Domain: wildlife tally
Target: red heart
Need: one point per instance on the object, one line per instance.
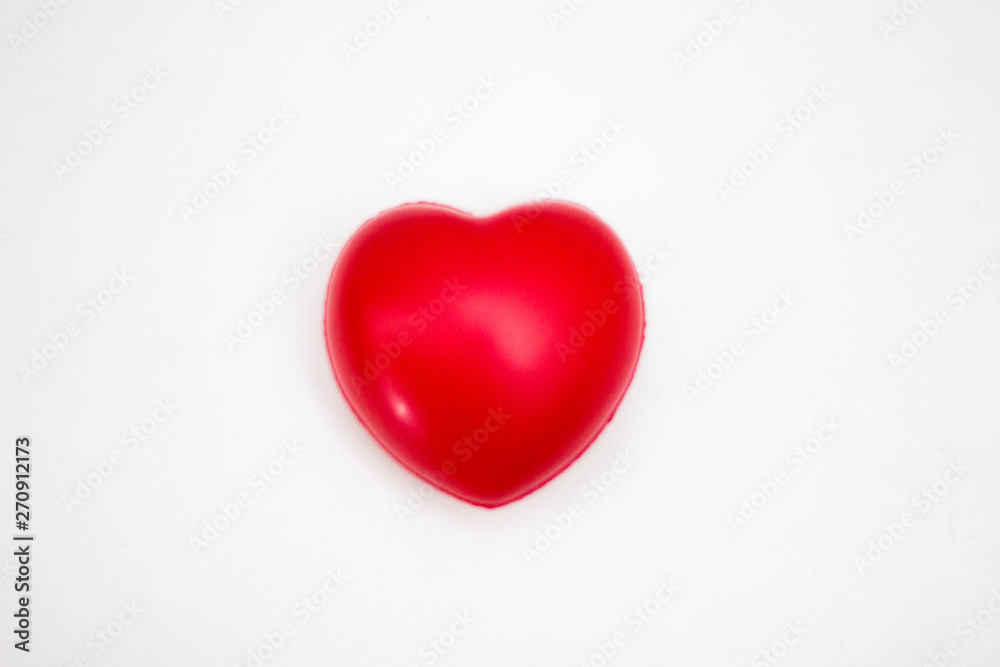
(484, 354)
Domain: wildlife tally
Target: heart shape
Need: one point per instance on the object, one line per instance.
(484, 354)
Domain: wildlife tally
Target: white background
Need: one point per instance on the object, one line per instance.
(337, 504)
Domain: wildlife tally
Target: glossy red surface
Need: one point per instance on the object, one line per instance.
(484, 354)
